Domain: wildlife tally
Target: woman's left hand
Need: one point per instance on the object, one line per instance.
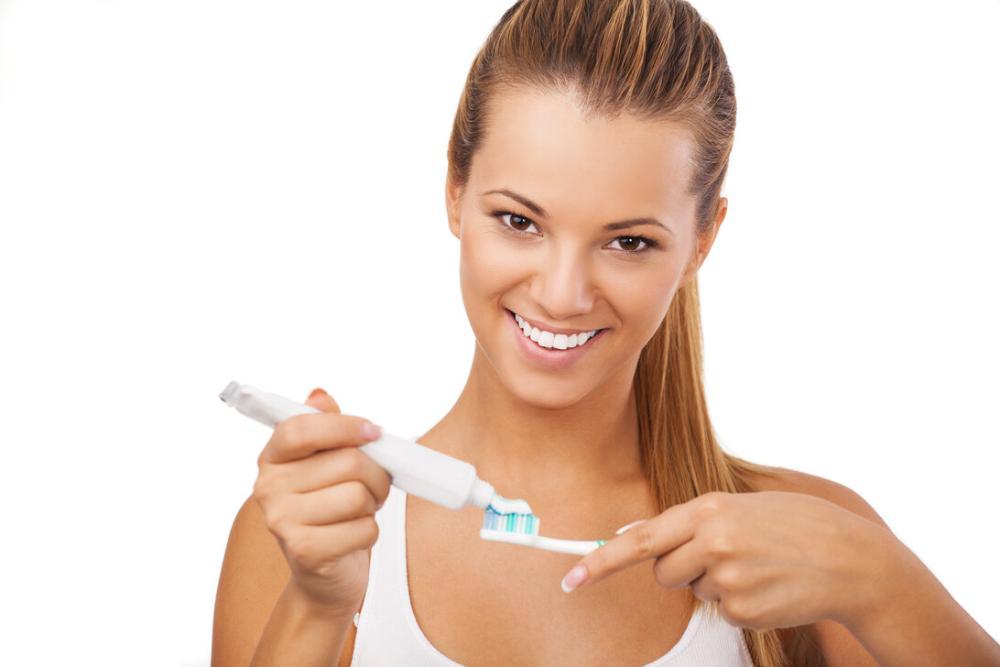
(772, 559)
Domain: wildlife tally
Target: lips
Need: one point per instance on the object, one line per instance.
(551, 358)
(550, 329)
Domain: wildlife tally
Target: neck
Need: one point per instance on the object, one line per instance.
(523, 449)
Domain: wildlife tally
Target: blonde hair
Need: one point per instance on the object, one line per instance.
(657, 60)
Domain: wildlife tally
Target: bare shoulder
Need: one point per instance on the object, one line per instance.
(824, 642)
(796, 481)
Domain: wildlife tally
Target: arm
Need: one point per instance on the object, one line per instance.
(298, 634)
(914, 622)
(920, 623)
(259, 617)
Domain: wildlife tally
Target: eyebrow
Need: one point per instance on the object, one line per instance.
(611, 226)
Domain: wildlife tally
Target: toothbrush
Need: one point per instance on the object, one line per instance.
(426, 473)
(523, 529)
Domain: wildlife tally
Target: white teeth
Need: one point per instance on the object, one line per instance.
(553, 340)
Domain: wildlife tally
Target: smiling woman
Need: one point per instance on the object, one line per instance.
(585, 170)
(542, 245)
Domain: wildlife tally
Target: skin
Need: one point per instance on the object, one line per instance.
(803, 553)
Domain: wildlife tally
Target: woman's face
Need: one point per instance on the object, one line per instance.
(532, 224)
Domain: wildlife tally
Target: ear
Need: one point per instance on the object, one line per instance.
(706, 240)
(453, 206)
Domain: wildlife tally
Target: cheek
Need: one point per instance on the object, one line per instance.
(642, 308)
(488, 265)
(642, 298)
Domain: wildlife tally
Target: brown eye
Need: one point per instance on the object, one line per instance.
(629, 244)
(516, 221)
(633, 245)
(626, 243)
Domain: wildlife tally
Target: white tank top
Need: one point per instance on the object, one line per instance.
(388, 633)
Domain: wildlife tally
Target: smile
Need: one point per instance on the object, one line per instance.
(550, 340)
(553, 350)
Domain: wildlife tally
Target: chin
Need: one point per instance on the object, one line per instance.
(548, 400)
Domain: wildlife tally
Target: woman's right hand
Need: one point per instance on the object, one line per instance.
(319, 493)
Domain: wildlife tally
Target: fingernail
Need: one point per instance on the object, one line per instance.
(371, 431)
(628, 526)
(574, 578)
(316, 392)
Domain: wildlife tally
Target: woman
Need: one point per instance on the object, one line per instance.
(585, 169)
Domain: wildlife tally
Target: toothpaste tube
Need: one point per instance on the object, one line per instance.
(416, 469)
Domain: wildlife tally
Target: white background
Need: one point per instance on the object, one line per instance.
(197, 191)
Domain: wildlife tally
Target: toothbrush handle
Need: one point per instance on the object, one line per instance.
(578, 547)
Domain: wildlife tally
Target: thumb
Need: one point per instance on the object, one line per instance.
(321, 400)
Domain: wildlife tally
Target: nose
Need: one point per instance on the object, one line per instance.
(563, 285)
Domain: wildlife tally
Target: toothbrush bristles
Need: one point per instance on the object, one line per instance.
(520, 524)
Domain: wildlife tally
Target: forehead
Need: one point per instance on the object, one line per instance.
(540, 143)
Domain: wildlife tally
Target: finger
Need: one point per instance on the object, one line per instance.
(704, 588)
(319, 399)
(648, 539)
(680, 567)
(324, 469)
(304, 434)
(334, 504)
(313, 544)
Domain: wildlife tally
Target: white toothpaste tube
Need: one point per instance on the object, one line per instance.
(416, 469)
